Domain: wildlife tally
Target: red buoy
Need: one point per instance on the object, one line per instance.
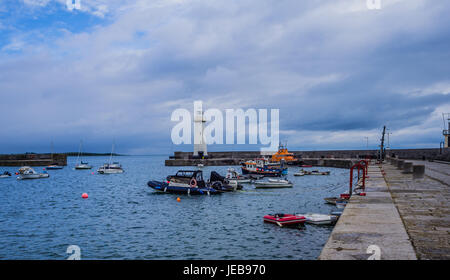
(84, 195)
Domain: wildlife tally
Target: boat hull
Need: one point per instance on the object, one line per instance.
(54, 167)
(32, 176)
(319, 219)
(284, 219)
(83, 167)
(110, 171)
(164, 187)
(265, 173)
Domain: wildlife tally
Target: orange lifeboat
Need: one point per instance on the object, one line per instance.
(283, 154)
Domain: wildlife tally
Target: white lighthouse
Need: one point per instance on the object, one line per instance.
(199, 137)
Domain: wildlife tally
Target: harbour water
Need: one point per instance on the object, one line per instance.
(125, 219)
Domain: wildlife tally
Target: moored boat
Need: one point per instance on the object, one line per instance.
(83, 165)
(5, 174)
(54, 166)
(27, 172)
(80, 164)
(319, 219)
(273, 183)
(261, 166)
(186, 182)
(334, 200)
(233, 175)
(283, 155)
(284, 219)
(111, 168)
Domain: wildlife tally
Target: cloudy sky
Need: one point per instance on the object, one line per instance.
(113, 69)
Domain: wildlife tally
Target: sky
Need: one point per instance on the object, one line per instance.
(116, 70)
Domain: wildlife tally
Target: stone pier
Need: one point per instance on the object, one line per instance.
(404, 214)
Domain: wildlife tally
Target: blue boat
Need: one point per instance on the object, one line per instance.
(164, 187)
(191, 182)
(261, 166)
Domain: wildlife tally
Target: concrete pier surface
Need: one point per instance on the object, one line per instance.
(371, 220)
(424, 206)
(406, 217)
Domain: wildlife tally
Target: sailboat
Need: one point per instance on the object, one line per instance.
(111, 167)
(54, 165)
(80, 164)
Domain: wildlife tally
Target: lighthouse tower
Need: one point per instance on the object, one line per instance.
(199, 138)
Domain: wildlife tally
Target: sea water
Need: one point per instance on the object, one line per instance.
(125, 219)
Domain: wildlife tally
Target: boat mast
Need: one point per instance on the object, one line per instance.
(79, 150)
(112, 151)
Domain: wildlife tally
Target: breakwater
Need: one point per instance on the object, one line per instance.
(319, 158)
(33, 159)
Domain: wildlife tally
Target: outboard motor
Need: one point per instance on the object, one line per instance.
(216, 177)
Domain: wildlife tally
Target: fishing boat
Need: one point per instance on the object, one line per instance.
(80, 164)
(185, 182)
(273, 183)
(27, 172)
(300, 173)
(284, 219)
(111, 167)
(283, 155)
(5, 174)
(319, 219)
(261, 166)
(234, 176)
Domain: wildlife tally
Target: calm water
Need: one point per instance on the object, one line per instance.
(125, 219)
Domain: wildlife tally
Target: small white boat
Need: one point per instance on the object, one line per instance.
(54, 167)
(300, 173)
(5, 174)
(81, 165)
(114, 168)
(200, 165)
(319, 219)
(273, 183)
(111, 167)
(341, 204)
(234, 176)
(27, 172)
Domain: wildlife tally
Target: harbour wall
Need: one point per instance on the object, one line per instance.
(33, 159)
(308, 157)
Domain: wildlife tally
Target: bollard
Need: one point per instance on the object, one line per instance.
(400, 164)
(407, 167)
(418, 171)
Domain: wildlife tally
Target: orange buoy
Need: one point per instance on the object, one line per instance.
(84, 195)
(178, 199)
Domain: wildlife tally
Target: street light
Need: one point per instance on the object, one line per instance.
(367, 145)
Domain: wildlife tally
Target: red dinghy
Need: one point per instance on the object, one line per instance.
(284, 219)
